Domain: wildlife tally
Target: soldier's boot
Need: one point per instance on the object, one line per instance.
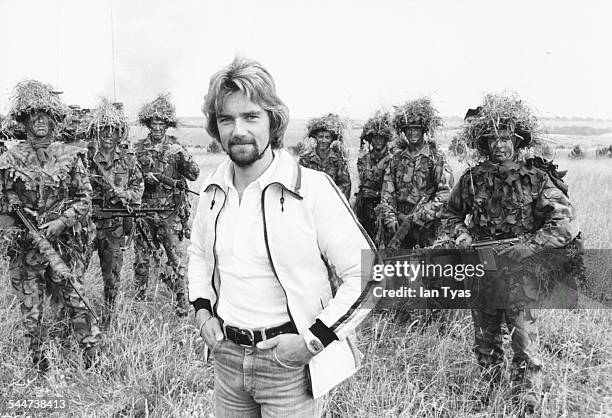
(526, 387)
(40, 362)
(91, 357)
(182, 307)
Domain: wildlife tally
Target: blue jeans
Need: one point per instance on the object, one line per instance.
(250, 382)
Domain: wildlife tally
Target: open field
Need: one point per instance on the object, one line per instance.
(153, 366)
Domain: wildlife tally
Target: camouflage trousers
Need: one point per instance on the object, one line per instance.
(168, 234)
(32, 279)
(364, 209)
(527, 361)
(109, 239)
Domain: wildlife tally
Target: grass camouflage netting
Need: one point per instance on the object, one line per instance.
(499, 111)
(380, 124)
(160, 108)
(31, 95)
(419, 112)
(105, 114)
(330, 122)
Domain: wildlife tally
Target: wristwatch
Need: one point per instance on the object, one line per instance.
(313, 344)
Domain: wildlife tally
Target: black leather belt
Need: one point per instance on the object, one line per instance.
(249, 338)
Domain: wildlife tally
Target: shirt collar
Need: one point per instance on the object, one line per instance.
(99, 157)
(424, 151)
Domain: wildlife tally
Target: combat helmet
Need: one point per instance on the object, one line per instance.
(417, 113)
(378, 125)
(160, 108)
(103, 115)
(31, 96)
(500, 112)
(330, 122)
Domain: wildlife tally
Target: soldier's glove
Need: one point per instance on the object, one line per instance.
(53, 229)
(392, 226)
(518, 252)
(15, 204)
(464, 240)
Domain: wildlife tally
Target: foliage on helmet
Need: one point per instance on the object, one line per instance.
(500, 112)
(331, 123)
(105, 114)
(160, 108)
(30, 96)
(419, 112)
(378, 125)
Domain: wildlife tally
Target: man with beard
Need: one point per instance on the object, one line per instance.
(328, 154)
(117, 183)
(166, 166)
(506, 196)
(417, 180)
(47, 181)
(371, 166)
(257, 276)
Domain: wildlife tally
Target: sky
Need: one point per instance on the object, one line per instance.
(344, 56)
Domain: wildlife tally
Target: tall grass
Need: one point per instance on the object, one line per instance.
(152, 363)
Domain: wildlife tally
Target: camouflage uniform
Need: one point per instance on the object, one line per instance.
(59, 189)
(170, 159)
(409, 178)
(371, 167)
(504, 197)
(123, 171)
(512, 199)
(335, 166)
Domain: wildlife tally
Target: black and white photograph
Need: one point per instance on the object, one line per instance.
(296, 208)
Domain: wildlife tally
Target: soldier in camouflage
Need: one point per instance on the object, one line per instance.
(49, 182)
(328, 153)
(417, 180)
(507, 196)
(162, 157)
(117, 183)
(371, 166)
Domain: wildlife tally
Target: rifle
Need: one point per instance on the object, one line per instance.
(138, 215)
(177, 184)
(105, 213)
(58, 266)
(487, 250)
(404, 228)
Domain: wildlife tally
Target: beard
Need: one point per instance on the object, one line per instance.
(244, 151)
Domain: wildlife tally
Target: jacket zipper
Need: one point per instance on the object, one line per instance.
(212, 277)
(263, 213)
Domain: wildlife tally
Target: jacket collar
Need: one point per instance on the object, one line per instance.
(99, 157)
(424, 151)
(287, 173)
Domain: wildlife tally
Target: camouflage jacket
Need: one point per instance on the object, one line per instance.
(493, 201)
(408, 178)
(123, 171)
(335, 166)
(371, 167)
(170, 159)
(59, 189)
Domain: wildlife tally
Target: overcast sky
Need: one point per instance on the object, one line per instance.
(345, 56)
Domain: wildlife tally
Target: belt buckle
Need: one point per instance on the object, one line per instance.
(248, 333)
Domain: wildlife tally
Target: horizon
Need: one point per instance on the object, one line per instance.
(349, 57)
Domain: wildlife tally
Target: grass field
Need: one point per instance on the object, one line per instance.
(152, 363)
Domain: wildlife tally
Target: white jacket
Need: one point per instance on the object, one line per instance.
(305, 218)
